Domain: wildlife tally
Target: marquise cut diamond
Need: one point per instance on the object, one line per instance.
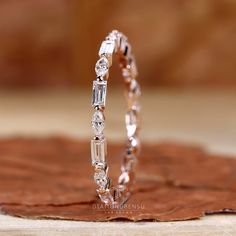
(98, 122)
(101, 67)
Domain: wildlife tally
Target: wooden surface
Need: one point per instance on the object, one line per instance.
(201, 117)
(52, 178)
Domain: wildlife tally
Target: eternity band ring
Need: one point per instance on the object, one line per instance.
(115, 43)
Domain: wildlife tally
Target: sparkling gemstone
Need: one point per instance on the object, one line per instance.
(133, 93)
(99, 93)
(128, 162)
(100, 175)
(134, 88)
(119, 39)
(136, 107)
(98, 122)
(121, 188)
(125, 48)
(134, 145)
(132, 66)
(105, 196)
(126, 73)
(124, 178)
(101, 67)
(98, 150)
(107, 47)
(115, 33)
(100, 166)
(122, 42)
(131, 122)
(116, 193)
(113, 36)
(101, 179)
(134, 142)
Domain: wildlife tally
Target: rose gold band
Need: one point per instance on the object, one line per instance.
(115, 43)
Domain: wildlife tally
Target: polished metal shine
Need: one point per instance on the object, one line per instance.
(115, 43)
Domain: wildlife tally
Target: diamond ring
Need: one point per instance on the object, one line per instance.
(115, 43)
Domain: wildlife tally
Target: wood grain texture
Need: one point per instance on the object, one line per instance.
(52, 178)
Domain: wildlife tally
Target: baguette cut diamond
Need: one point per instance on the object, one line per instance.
(98, 123)
(99, 93)
(101, 67)
(98, 150)
(107, 47)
